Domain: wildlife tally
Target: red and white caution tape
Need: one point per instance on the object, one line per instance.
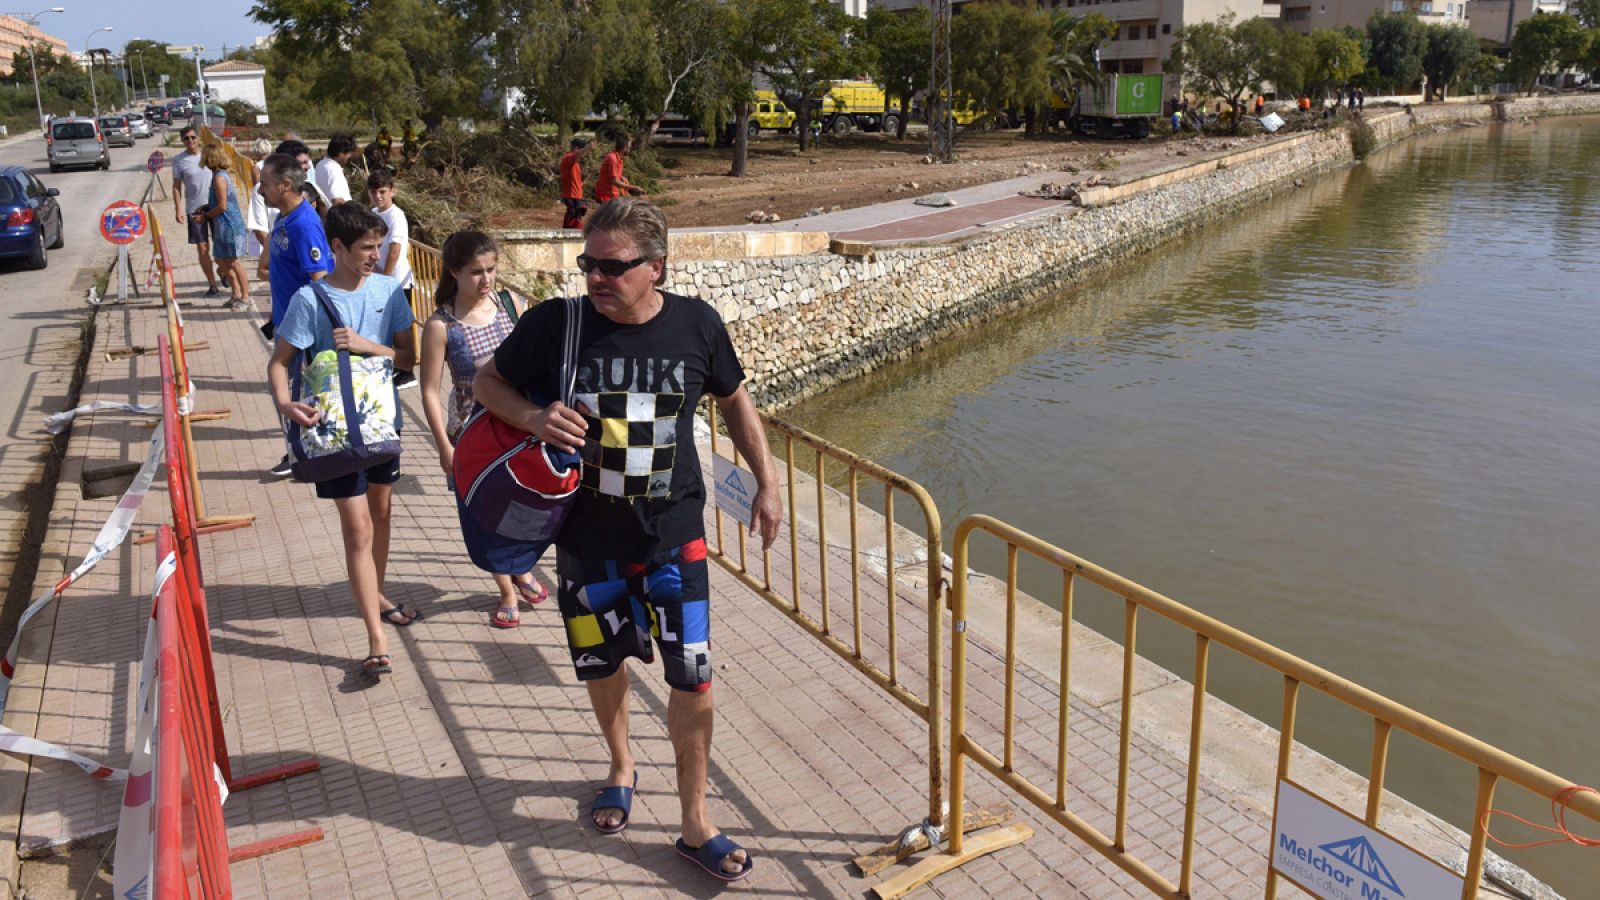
(111, 535)
(57, 423)
(133, 867)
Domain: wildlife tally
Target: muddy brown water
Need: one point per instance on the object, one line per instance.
(1359, 421)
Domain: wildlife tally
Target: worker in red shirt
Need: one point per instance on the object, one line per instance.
(572, 183)
(612, 184)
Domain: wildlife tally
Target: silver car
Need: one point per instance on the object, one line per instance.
(117, 130)
(76, 141)
(140, 125)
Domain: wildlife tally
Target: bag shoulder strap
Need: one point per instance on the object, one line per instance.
(569, 350)
(326, 302)
(510, 304)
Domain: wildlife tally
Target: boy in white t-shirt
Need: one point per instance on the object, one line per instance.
(394, 256)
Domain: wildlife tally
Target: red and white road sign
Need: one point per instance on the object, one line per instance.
(156, 161)
(122, 222)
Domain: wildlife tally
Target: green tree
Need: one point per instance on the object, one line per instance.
(156, 62)
(1396, 43)
(1292, 66)
(1451, 50)
(1226, 59)
(900, 43)
(394, 59)
(1074, 40)
(807, 47)
(1000, 57)
(1586, 11)
(689, 36)
(1337, 59)
(1544, 44)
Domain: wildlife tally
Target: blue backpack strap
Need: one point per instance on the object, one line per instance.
(347, 385)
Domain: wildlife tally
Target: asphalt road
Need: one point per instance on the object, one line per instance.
(41, 324)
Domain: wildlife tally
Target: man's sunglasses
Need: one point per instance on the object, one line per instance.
(611, 268)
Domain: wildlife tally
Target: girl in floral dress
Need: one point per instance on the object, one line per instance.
(471, 320)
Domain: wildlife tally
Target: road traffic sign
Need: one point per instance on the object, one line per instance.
(122, 222)
(156, 161)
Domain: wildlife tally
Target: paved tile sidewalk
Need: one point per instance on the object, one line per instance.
(469, 771)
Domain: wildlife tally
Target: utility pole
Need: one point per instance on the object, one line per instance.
(941, 95)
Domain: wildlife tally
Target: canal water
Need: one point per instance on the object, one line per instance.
(1360, 421)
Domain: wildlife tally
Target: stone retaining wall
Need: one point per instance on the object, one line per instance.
(803, 323)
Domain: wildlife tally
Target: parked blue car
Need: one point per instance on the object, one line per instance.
(30, 216)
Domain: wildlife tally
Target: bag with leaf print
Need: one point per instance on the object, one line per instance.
(359, 422)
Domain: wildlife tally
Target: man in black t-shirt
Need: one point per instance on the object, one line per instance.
(631, 558)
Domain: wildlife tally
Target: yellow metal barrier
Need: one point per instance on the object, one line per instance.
(427, 264)
(816, 613)
(1493, 765)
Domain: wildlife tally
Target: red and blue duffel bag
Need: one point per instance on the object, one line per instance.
(513, 492)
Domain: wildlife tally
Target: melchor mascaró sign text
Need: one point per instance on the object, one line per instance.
(1336, 856)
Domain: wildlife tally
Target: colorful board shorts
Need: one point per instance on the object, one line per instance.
(613, 609)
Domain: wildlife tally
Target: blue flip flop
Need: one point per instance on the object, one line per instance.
(614, 797)
(712, 853)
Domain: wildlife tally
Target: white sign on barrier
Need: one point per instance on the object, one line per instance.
(734, 488)
(1335, 856)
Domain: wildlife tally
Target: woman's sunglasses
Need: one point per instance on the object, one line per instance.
(611, 268)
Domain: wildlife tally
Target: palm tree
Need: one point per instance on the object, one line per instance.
(1072, 60)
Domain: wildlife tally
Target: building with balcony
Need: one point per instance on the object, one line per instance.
(1305, 16)
(1495, 21)
(1144, 35)
(15, 34)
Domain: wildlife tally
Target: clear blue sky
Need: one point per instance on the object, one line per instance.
(210, 23)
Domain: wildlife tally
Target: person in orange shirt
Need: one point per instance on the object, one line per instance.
(572, 183)
(611, 183)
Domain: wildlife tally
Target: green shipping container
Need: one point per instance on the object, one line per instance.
(1138, 95)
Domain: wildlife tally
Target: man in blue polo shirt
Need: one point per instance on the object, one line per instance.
(298, 251)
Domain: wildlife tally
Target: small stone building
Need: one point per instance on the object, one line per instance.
(235, 79)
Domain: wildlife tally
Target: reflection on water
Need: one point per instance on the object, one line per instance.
(1358, 421)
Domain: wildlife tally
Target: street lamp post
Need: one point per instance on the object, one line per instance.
(93, 94)
(143, 78)
(33, 20)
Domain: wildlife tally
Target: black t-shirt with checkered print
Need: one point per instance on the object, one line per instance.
(638, 386)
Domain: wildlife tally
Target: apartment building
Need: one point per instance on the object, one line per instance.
(1306, 15)
(1495, 21)
(16, 34)
(1144, 27)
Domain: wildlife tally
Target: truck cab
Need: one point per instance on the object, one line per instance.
(768, 113)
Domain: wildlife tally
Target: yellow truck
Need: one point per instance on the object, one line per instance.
(768, 113)
(857, 106)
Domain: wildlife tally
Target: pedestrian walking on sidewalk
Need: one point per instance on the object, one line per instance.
(376, 315)
(298, 249)
(394, 257)
(572, 184)
(191, 186)
(611, 183)
(226, 220)
(631, 557)
(472, 318)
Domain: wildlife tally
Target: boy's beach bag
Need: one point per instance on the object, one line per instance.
(513, 491)
(359, 425)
